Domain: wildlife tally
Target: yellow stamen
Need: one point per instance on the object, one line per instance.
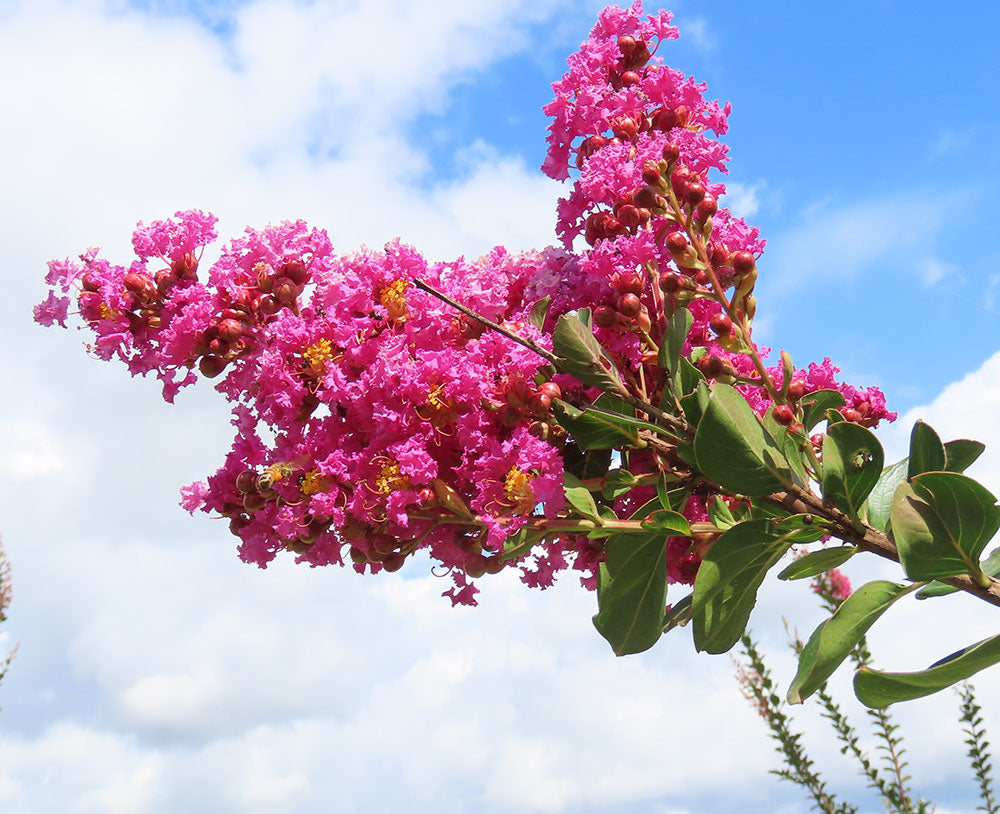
(440, 408)
(313, 483)
(517, 488)
(394, 299)
(107, 312)
(318, 354)
(391, 479)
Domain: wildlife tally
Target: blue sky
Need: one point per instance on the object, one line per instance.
(157, 673)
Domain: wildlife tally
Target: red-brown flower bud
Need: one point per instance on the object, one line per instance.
(677, 243)
(296, 271)
(671, 152)
(185, 267)
(670, 282)
(629, 305)
(711, 366)
(783, 414)
(743, 262)
(230, 330)
(211, 366)
(625, 127)
(721, 324)
(630, 78)
(551, 389)
(651, 173)
(605, 316)
(693, 192)
(796, 390)
(707, 207)
(665, 119)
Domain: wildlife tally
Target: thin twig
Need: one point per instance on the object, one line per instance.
(489, 323)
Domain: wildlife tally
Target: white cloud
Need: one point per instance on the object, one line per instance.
(741, 199)
(838, 244)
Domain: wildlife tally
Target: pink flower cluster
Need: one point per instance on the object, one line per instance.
(372, 420)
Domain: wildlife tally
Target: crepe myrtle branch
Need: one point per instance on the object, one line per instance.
(794, 500)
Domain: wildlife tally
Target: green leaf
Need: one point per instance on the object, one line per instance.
(538, 312)
(673, 524)
(633, 596)
(725, 589)
(959, 455)
(835, 638)
(678, 615)
(579, 498)
(814, 406)
(802, 528)
(876, 508)
(687, 378)
(852, 464)
(674, 338)
(733, 448)
(520, 544)
(941, 522)
(790, 445)
(594, 429)
(878, 690)
(926, 451)
(990, 566)
(817, 562)
(695, 403)
(581, 355)
(617, 483)
(719, 513)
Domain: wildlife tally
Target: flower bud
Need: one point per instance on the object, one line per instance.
(666, 119)
(796, 390)
(651, 174)
(707, 207)
(721, 324)
(90, 282)
(551, 389)
(743, 262)
(783, 414)
(711, 366)
(671, 152)
(230, 330)
(285, 291)
(211, 366)
(693, 192)
(627, 282)
(605, 316)
(677, 243)
(626, 45)
(630, 78)
(246, 481)
(296, 271)
(393, 562)
(670, 282)
(629, 305)
(185, 267)
(852, 415)
(625, 127)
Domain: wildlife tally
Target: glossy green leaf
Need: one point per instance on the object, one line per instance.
(817, 562)
(673, 524)
(694, 404)
(802, 528)
(941, 522)
(678, 615)
(579, 498)
(990, 566)
(719, 513)
(962, 453)
(674, 338)
(581, 355)
(852, 464)
(725, 589)
(538, 312)
(926, 451)
(835, 638)
(594, 429)
(815, 404)
(878, 689)
(633, 595)
(520, 544)
(733, 448)
(687, 378)
(790, 445)
(879, 501)
(617, 483)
